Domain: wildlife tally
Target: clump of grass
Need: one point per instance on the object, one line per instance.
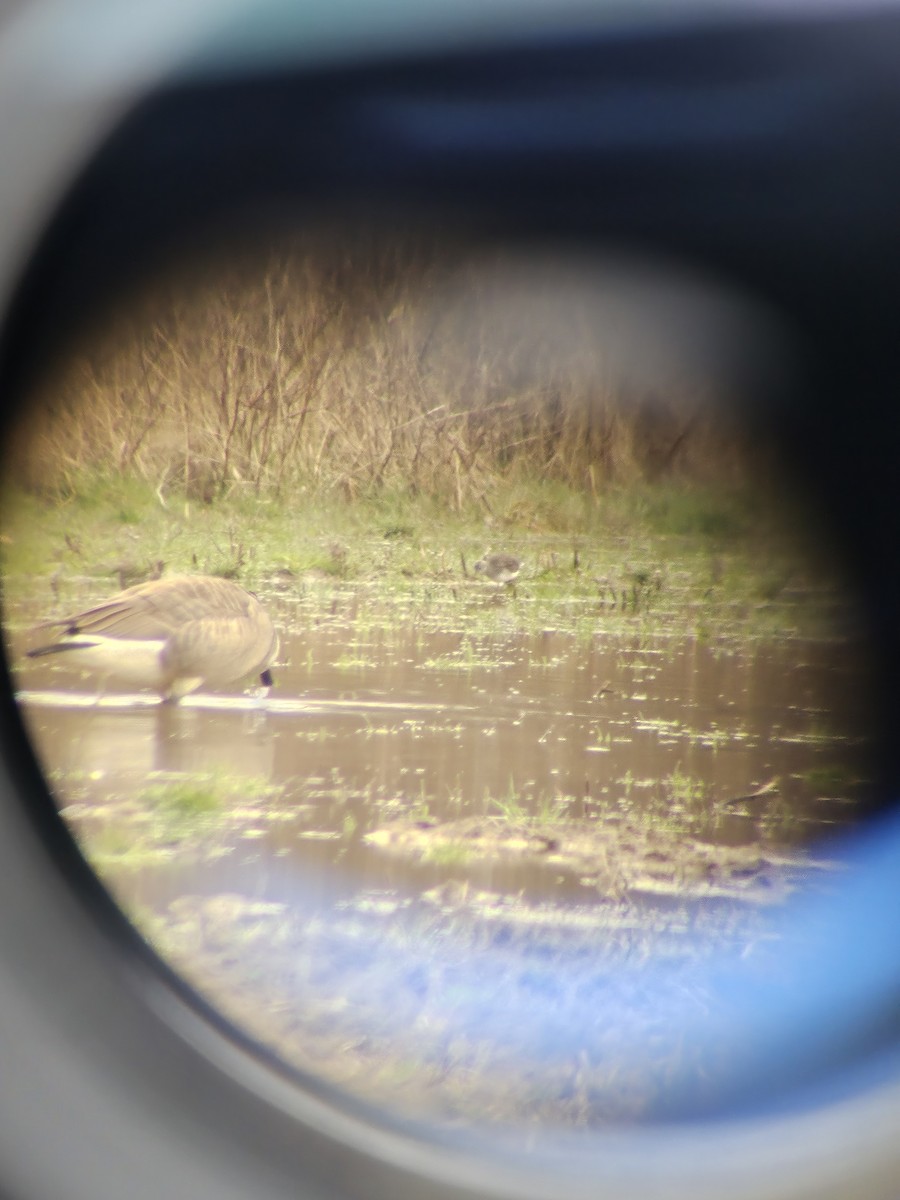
(676, 802)
(171, 816)
(448, 854)
(354, 661)
(681, 789)
(509, 807)
(185, 801)
(467, 657)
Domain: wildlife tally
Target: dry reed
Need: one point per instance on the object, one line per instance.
(347, 370)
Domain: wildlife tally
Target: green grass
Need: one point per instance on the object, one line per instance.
(517, 811)
(185, 801)
(681, 789)
(448, 854)
(706, 514)
(509, 807)
(169, 818)
(640, 562)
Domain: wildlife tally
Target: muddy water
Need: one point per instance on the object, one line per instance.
(735, 746)
(464, 979)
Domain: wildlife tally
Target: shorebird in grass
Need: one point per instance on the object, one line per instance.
(502, 569)
(171, 635)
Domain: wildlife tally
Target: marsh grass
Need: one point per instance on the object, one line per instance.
(185, 801)
(354, 363)
(175, 818)
(676, 802)
(367, 410)
(683, 790)
(509, 807)
(643, 582)
(449, 854)
(516, 809)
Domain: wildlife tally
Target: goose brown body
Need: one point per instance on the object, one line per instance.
(173, 635)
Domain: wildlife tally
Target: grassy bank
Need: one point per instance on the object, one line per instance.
(377, 408)
(722, 560)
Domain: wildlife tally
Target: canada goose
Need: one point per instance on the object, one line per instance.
(501, 568)
(171, 635)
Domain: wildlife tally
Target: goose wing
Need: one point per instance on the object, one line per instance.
(221, 649)
(157, 609)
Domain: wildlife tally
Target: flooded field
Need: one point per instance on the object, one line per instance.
(573, 704)
(734, 746)
(456, 835)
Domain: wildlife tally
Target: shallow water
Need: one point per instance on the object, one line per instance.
(411, 722)
(465, 980)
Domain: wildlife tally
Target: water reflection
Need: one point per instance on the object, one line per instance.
(730, 745)
(475, 874)
(677, 726)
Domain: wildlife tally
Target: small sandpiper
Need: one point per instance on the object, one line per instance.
(500, 568)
